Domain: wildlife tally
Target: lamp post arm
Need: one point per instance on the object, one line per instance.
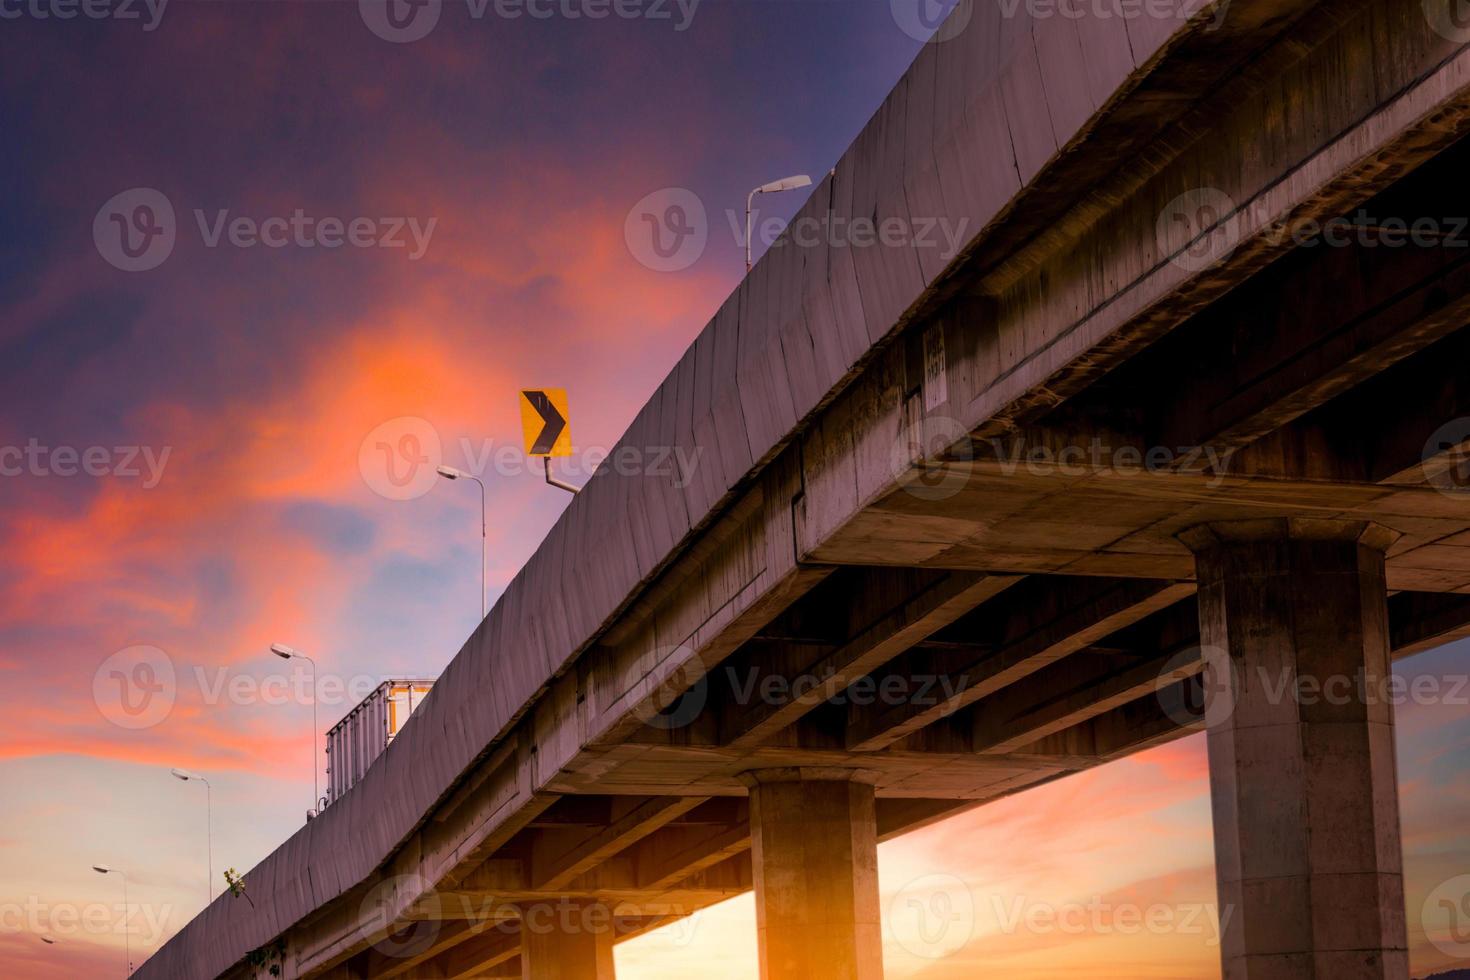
(749, 203)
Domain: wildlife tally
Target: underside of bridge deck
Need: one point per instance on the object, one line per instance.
(1102, 474)
(1023, 607)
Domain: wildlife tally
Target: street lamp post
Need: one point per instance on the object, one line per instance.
(287, 653)
(774, 187)
(103, 869)
(450, 473)
(188, 776)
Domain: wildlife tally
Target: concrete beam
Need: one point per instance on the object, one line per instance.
(913, 604)
(556, 863)
(493, 952)
(1038, 623)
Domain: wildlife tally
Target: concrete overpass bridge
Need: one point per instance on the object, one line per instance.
(1162, 434)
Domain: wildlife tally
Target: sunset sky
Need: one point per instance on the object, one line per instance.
(230, 391)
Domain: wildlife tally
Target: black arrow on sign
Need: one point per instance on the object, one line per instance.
(549, 415)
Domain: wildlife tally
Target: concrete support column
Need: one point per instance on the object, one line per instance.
(1294, 621)
(814, 843)
(566, 941)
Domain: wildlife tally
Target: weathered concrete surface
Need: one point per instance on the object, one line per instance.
(569, 947)
(1302, 765)
(852, 518)
(814, 843)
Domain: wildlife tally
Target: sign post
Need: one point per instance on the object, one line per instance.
(545, 424)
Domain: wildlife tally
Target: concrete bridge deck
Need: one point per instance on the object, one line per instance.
(963, 527)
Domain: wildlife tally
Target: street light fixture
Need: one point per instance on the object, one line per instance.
(103, 869)
(289, 653)
(774, 187)
(450, 473)
(188, 776)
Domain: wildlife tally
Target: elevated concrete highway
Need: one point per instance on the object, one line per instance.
(1164, 431)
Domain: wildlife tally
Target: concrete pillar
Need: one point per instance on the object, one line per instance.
(1294, 621)
(566, 941)
(814, 840)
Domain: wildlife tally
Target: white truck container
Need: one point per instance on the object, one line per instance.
(360, 737)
